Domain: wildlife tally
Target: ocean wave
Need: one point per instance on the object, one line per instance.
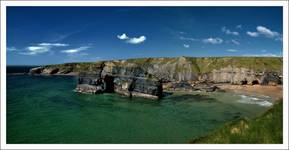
(254, 100)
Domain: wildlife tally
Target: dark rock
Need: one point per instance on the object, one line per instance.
(244, 82)
(139, 87)
(127, 82)
(54, 71)
(182, 86)
(205, 87)
(270, 78)
(108, 83)
(90, 89)
(91, 79)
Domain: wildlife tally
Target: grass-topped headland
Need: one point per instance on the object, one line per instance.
(266, 129)
(182, 73)
(197, 64)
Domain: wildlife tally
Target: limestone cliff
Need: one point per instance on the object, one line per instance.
(149, 76)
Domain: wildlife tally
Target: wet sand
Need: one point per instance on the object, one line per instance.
(275, 92)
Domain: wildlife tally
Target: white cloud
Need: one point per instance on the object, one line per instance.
(253, 34)
(261, 30)
(34, 50)
(267, 32)
(134, 40)
(188, 39)
(123, 37)
(75, 50)
(229, 32)
(41, 48)
(186, 45)
(213, 40)
(232, 50)
(235, 42)
(11, 49)
(53, 44)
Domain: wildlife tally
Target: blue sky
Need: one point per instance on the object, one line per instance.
(52, 35)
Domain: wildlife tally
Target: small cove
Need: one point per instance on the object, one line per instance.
(45, 109)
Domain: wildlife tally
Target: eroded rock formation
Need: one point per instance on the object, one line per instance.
(129, 80)
(148, 77)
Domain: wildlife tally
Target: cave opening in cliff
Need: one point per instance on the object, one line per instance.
(254, 82)
(244, 82)
(109, 84)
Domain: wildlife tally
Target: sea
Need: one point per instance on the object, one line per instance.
(46, 110)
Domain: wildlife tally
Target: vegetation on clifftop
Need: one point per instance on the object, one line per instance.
(255, 63)
(266, 129)
(199, 64)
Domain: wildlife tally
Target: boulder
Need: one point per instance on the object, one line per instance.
(204, 87)
(90, 89)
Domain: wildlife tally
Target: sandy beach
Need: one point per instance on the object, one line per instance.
(275, 92)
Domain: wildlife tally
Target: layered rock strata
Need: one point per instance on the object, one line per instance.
(148, 77)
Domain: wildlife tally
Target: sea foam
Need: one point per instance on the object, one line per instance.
(254, 100)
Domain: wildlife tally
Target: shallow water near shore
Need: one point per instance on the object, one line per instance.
(44, 109)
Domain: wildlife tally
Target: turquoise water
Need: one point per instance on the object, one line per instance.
(44, 109)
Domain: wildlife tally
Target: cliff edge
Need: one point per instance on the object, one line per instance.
(148, 77)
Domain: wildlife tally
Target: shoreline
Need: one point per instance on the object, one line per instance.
(275, 92)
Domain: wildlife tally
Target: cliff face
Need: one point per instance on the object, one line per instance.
(147, 76)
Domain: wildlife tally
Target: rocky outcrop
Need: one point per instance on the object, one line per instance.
(243, 76)
(185, 86)
(178, 86)
(36, 70)
(205, 87)
(50, 71)
(233, 75)
(130, 81)
(270, 78)
(44, 70)
(147, 77)
(90, 89)
(138, 87)
(180, 69)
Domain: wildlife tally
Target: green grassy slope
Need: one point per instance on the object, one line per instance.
(255, 63)
(199, 64)
(267, 128)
